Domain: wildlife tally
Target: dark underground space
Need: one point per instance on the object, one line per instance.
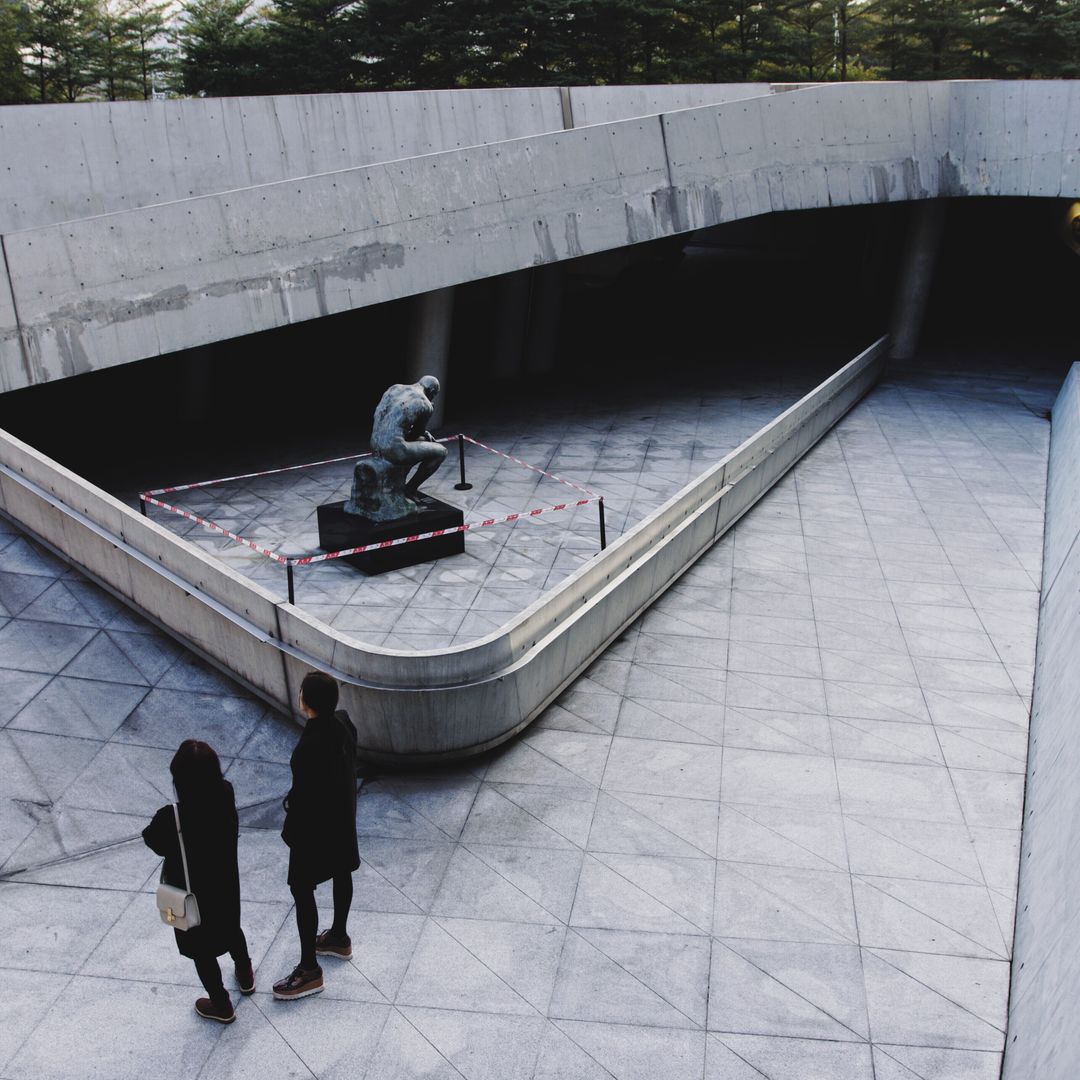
(799, 291)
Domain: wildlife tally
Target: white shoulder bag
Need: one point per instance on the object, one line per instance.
(178, 907)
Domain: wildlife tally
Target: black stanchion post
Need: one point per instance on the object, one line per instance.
(142, 506)
(289, 574)
(603, 527)
(462, 486)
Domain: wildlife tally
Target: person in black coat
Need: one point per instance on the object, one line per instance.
(208, 819)
(320, 830)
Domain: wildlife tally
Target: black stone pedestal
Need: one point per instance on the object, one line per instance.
(338, 530)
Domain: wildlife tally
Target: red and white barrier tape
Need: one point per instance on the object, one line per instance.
(534, 468)
(206, 523)
(469, 526)
(286, 560)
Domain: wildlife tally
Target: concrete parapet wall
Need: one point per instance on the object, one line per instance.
(1043, 1041)
(413, 706)
(65, 162)
(73, 161)
(106, 290)
(605, 104)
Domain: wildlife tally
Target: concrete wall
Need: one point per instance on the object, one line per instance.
(1043, 1040)
(605, 104)
(107, 290)
(64, 162)
(416, 705)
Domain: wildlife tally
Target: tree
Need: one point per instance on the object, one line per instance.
(311, 45)
(1034, 38)
(808, 39)
(928, 39)
(217, 48)
(114, 55)
(430, 44)
(14, 85)
(147, 21)
(61, 48)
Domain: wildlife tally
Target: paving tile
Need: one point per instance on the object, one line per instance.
(610, 976)
(934, 1063)
(801, 781)
(634, 824)
(769, 729)
(482, 1046)
(943, 1001)
(29, 646)
(736, 1056)
(639, 1053)
(445, 974)
(621, 894)
(81, 708)
(653, 767)
(781, 836)
(788, 989)
(79, 1039)
(783, 904)
(927, 916)
(919, 850)
(47, 928)
(888, 789)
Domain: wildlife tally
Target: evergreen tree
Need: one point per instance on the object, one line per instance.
(217, 45)
(310, 46)
(114, 56)
(623, 41)
(807, 43)
(61, 48)
(1034, 38)
(928, 39)
(14, 85)
(146, 22)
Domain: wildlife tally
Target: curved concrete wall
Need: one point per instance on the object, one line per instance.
(1043, 1041)
(106, 290)
(416, 705)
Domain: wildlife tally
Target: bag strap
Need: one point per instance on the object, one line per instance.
(183, 853)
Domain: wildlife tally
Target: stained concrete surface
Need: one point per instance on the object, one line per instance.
(773, 832)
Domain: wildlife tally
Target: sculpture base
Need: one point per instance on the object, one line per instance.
(338, 530)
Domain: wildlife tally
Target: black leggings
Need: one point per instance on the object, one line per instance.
(307, 915)
(209, 971)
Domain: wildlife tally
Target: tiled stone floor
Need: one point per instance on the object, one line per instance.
(772, 833)
(636, 448)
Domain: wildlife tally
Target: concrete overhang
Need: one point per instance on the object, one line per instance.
(96, 292)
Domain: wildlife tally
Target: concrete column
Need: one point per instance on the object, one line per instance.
(545, 318)
(916, 276)
(429, 342)
(511, 324)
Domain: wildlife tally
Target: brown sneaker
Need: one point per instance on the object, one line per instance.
(245, 978)
(299, 984)
(223, 1014)
(330, 944)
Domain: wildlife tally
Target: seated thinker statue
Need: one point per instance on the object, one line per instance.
(382, 489)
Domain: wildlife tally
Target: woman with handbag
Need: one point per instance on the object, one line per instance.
(197, 836)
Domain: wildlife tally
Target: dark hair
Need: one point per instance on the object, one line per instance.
(319, 692)
(196, 772)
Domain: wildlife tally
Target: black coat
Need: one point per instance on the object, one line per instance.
(210, 834)
(320, 809)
